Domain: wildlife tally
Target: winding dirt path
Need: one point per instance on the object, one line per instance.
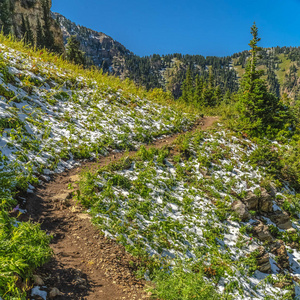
(85, 264)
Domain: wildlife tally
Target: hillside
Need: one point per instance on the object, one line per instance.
(52, 114)
(119, 190)
(280, 64)
(207, 207)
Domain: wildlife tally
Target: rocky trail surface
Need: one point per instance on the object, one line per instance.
(85, 265)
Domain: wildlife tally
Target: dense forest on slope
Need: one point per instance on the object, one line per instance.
(280, 64)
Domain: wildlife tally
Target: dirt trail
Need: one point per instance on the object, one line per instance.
(86, 265)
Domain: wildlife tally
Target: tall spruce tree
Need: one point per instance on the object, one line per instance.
(39, 42)
(5, 16)
(23, 27)
(26, 31)
(258, 108)
(187, 87)
(30, 37)
(198, 99)
(73, 52)
(47, 36)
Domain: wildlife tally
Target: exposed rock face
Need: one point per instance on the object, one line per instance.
(101, 49)
(282, 220)
(251, 201)
(262, 232)
(265, 203)
(263, 261)
(279, 250)
(32, 11)
(241, 210)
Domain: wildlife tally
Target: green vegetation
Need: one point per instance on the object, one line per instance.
(23, 248)
(73, 53)
(180, 284)
(178, 208)
(56, 111)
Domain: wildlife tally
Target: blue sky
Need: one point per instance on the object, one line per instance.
(206, 27)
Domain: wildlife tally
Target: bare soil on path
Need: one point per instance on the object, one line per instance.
(85, 264)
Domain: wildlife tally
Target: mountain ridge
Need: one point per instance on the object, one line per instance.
(169, 71)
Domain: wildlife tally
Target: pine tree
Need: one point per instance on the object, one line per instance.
(258, 108)
(39, 35)
(47, 36)
(187, 87)
(218, 95)
(30, 38)
(227, 97)
(198, 99)
(26, 31)
(208, 95)
(5, 17)
(73, 52)
(211, 79)
(23, 28)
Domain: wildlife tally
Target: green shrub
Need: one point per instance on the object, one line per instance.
(23, 248)
(181, 285)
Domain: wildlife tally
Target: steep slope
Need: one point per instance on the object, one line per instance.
(85, 262)
(205, 209)
(51, 114)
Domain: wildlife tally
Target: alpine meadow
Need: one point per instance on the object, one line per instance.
(168, 177)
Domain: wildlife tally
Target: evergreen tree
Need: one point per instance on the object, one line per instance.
(73, 52)
(39, 35)
(208, 95)
(227, 97)
(48, 41)
(211, 79)
(26, 31)
(258, 108)
(198, 90)
(187, 87)
(23, 27)
(218, 95)
(5, 16)
(30, 38)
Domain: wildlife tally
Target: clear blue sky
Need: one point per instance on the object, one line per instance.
(206, 27)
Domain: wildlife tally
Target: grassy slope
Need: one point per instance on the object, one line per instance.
(177, 210)
(283, 68)
(52, 113)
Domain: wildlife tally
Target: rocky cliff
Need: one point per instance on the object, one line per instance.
(29, 17)
(101, 50)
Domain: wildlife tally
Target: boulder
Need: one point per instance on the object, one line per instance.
(273, 190)
(241, 210)
(286, 225)
(251, 201)
(291, 230)
(262, 232)
(282, 257)
(282, 220)
(263, 261)
(265, 202)
(265, 267)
